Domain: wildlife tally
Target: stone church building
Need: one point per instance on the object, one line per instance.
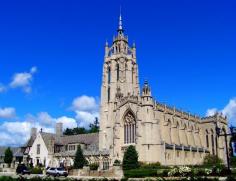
(130, 116)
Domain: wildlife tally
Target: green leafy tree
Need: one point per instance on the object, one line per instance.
(130, 159)
(94, 128)
(8, 156)
(79, 160)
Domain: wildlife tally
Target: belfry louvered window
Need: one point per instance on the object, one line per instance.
(129, 129)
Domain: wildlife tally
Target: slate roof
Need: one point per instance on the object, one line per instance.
(30, 142)
(91, 140)
(87, 139)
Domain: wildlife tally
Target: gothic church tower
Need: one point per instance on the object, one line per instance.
(120, 79)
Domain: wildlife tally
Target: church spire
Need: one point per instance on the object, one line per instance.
(120, 27)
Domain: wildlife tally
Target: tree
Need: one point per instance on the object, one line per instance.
(80, 160)
(130, 159)
(8, 156)
(94, 128)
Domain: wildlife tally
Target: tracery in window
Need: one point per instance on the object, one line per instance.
(129, 128)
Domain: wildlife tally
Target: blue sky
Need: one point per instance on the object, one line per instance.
(186, 50)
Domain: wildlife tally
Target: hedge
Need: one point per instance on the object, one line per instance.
(140, 173)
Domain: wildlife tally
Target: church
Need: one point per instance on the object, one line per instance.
(131, 116)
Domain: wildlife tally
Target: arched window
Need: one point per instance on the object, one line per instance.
(109, 74)
(129, 128)
(207, 139)
(117, 71)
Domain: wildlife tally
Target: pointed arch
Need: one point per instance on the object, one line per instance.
(129, 127)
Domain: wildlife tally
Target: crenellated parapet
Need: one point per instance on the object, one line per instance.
(219, 117)
(176, 112)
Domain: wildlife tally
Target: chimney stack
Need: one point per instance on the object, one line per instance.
(59, 131)
(33, 132)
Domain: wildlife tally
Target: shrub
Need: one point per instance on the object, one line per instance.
(210, 160)
(93, 166)
(233, 161)
(36, 170)
(150, 165)
(140, 173)
(130, 159)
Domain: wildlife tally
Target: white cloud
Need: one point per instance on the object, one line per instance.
(8, 112)
(229, 110)
(23, 80)
(67, 122)
(16, 133)
(86, 109)
(45, 119)
(84, 103)
(211, 112)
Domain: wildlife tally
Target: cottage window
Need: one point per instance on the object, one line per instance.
(38, 149)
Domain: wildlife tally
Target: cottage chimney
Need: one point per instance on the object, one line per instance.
(59, 129)
(33, 132)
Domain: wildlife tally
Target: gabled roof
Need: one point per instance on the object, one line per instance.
(92, 140)
(81, 138)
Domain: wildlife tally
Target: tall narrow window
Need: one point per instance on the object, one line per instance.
(117, 71)
(108, 94)
(129, 129)
(38, 149)
(212, 143)
(132, 74)
(207, 139)
(109, 75)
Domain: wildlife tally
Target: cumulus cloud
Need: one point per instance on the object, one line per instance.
(211, 112)
(229, 110)
(86, 109)
(16, 133)
(23, 80)
(67, 122)
(8, 112)
(85, 103)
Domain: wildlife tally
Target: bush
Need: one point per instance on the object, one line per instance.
(210, 160)
(233, 161)
(36, 170)
(130, 159)
(93, 166)
(150, 165)
(140, 173)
